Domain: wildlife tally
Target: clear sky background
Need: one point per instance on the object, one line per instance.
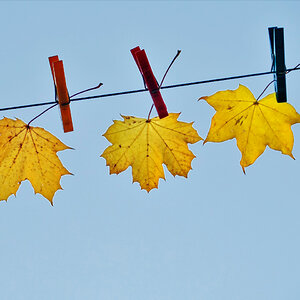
(218, 235)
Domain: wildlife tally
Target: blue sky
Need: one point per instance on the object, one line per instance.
(217, 235)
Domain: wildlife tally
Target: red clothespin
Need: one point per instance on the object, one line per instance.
(143, 64)
(61, 92)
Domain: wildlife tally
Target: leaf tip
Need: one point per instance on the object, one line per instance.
(203, 98)
(244, 171)
(292, 156)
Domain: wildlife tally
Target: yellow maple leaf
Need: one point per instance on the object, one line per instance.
(29, 153)
(254, 124)
(146, 144)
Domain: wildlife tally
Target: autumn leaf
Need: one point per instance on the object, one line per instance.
(29, 153)
(146, 144)
(254, 124)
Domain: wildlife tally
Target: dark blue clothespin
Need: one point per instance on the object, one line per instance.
(278, 63)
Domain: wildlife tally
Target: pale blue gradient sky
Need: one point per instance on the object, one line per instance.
(218, 235)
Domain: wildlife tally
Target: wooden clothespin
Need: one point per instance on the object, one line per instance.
(143, 64)
(61, 92)
(278, 62)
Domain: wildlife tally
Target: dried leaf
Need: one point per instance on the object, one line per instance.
(254, 124)
(146, 144)
(29, 153)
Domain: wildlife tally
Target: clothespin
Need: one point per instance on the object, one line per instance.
(278, 63)
(61, 92)
(143, 64)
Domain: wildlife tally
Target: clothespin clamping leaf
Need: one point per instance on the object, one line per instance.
(278, 62)
(143, 64)
(61, 92)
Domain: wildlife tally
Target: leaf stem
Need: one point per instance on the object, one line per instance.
(42, 113)
(172, 62)
(87, 90)
(264, 89)
(162, 81)
(295, 68)
(150, 111)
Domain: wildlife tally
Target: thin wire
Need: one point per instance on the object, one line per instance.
(289, 70)
(27, 105)
(144, 90)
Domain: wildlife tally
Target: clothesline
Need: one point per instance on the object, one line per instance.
(145, 89)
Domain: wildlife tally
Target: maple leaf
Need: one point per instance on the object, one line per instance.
(254, 124)
(29, 153)
(146, 144)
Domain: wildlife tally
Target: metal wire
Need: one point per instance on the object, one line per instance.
(144, 90)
